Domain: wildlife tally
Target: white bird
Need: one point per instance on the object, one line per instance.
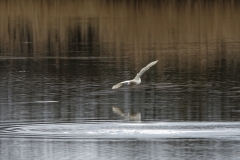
(137, 79)
(127, 116)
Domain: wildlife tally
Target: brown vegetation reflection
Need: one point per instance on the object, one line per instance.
(191, 31)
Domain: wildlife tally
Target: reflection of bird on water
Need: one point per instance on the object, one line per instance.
(127, 116)
(137, 79)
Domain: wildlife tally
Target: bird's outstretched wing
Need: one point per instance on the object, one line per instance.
(118, 111)
(120, 84)
(117, 85)
(145, 69)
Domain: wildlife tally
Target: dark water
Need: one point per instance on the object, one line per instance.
(59, 61)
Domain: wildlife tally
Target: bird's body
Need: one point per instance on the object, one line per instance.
(137, 79)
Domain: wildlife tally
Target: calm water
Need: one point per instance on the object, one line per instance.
(59, 61)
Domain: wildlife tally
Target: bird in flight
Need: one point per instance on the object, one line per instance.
(137, 79)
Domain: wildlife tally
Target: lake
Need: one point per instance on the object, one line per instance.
(60, 59)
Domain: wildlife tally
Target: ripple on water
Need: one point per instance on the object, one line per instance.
(228, 130)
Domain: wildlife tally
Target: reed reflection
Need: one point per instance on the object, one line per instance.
(192, 32)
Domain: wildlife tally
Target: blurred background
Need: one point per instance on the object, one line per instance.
(73, 52)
